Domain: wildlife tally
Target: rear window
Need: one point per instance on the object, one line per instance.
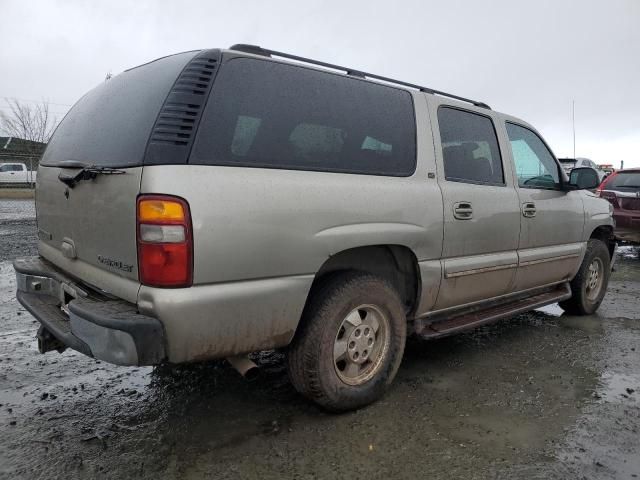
(624, 180)
(110, 125)
(271, 115)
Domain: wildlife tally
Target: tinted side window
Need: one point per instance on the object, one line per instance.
(271, 115)
(10, 168)
(535, 165)
(470, 148)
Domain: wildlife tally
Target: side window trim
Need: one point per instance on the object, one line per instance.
(559, 185)
(498, 143)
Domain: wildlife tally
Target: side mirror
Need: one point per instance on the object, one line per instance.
(583, 178)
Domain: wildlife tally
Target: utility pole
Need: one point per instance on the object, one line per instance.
(573, 123)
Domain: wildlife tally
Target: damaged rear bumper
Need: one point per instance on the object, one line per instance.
(85, 320)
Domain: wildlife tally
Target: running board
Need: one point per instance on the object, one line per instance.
(454, 323)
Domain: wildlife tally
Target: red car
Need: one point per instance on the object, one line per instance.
(622, 190)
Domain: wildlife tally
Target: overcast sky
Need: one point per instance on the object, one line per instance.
(526, 58)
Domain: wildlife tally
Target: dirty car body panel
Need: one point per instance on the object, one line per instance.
(282, 173)
(622, 191)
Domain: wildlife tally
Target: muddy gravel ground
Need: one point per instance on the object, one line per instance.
(542, 395)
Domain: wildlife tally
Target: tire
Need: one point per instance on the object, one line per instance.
(336, 361)
(587, 291)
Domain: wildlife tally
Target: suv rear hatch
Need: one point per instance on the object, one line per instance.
(624, 186)
(88, 227)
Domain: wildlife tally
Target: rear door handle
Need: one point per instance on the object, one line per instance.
(529, 209)
(463, 210)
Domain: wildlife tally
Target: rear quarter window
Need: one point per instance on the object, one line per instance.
(271, 115)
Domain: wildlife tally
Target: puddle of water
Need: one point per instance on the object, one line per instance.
(552, 310)
(604, 443)
(618, 387)
(631, 252)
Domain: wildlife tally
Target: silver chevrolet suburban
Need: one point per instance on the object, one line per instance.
(215, 203)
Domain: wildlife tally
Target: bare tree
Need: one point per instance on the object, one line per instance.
(28, 122)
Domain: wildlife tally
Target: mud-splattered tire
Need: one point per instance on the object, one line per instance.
(589, 286)
(350, 342)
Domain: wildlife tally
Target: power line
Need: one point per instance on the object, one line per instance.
(573, 122)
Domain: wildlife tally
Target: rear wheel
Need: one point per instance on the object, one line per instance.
(350, 342)
(589, 286)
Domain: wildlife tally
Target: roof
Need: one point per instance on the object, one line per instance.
(263, 52)
(14, 145)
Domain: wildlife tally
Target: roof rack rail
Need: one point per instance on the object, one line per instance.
(256, 50)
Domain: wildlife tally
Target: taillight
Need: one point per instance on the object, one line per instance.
(165, 241)
(604, 183)
(611, 197)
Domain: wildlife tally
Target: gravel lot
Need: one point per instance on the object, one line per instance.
(543, 395)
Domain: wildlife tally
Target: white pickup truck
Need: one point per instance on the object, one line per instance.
(16, 173)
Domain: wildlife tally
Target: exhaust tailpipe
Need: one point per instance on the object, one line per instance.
(244, 366)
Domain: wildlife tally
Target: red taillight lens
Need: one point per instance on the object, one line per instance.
(165, 241)
(164, 265)
(604, 184)
(611, 197)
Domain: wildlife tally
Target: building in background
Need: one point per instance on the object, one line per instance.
(18, 150)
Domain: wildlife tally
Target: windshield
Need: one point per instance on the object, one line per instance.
(110, 125)
(624, 180)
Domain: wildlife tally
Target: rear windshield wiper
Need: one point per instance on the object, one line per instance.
(87, 173)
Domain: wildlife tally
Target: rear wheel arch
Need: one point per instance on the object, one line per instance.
(397, 264)
(329, 342)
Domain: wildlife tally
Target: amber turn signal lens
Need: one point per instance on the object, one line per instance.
(154, 210)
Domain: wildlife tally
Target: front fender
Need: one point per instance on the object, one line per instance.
(597, 213)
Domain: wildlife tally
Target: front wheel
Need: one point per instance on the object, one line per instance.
(350, 342)
(589, 286)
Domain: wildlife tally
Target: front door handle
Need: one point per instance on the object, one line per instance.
(529, 209)
(463, 210)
